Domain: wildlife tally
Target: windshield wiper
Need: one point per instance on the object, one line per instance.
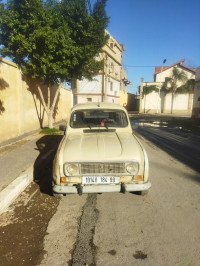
(90, 125)
(106, 127)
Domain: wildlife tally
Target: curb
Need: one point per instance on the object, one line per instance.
(13, 190)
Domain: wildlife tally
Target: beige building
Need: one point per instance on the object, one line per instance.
(159, 102)
(196, 102)
(108, 86)
(21, 110)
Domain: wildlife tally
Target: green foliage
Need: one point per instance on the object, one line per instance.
(53, 40)
(51, 131)
(171, 83)
(188, 87)
(149, 89)
(165, 87)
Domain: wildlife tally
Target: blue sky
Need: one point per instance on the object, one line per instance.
(154, 30)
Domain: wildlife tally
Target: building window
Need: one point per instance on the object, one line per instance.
(111, 86)
(89, 99)
(111, 45)
(115, 93)
(113, 100)
(112, 67)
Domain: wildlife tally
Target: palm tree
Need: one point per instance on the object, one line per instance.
(171, 83)
(188, 87)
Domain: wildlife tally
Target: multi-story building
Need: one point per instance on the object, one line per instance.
(108, 85)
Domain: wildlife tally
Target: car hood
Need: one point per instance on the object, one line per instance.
(101, 146)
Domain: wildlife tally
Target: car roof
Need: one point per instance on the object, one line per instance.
(95, 105)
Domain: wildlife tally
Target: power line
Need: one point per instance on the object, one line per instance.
(132, 66)
(138, 66)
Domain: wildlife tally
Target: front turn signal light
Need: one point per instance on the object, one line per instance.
(139, 177)
(63, 179)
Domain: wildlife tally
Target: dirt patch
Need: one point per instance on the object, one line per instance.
(23, 228)
(140, 255)
(112, 252)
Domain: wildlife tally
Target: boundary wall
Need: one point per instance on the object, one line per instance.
(21, 110)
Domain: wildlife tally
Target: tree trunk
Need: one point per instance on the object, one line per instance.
(50, 119)
(48, 107)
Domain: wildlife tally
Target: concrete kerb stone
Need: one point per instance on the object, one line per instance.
(13, 190)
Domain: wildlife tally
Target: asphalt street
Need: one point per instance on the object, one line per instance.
(109, 228)
(183, 146)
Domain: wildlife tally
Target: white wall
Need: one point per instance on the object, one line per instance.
(181, 102)
(95, 86)
(116, 87)
(150, 102)
(87, 89)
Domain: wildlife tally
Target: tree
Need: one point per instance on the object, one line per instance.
(171, 83)
(53, 41)
(188, 87)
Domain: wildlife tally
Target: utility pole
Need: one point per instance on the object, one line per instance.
(106, 78)
(141, 91)
(158, 102)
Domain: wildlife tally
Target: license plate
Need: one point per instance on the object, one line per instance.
(100, 179)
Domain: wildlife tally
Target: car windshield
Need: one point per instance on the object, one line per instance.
(98, 118)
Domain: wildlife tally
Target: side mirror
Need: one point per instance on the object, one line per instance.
(62, 128)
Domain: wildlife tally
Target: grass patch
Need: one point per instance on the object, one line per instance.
(50, 131)
(186, 124)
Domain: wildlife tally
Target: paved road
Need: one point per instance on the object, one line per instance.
(182, 145)
(109, 228)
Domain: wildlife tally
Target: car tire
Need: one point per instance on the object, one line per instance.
(57, 195)
(143, 192)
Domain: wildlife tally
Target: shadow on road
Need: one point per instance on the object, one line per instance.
(42, 173)
(185, 154)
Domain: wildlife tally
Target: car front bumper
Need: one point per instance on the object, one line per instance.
(130, 187)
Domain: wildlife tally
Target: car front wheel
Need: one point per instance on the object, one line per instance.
(143, 192)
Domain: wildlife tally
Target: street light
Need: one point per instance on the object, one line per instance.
(164, 61)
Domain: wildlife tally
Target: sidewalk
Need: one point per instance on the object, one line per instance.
(19, 161)
(16, 171)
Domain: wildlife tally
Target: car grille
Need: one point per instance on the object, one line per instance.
(102, 168)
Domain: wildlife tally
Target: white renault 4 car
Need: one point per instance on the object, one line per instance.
(99, 153)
